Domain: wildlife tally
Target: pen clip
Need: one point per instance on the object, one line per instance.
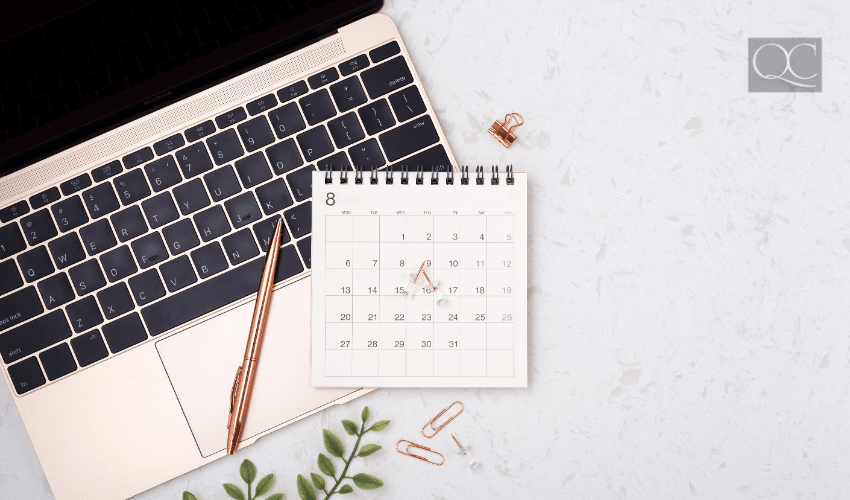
(233, 395)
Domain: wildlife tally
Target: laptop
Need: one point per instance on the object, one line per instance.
(148, 149)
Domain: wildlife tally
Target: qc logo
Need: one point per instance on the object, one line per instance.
(785, 65)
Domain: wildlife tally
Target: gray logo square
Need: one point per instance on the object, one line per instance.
(785, 65)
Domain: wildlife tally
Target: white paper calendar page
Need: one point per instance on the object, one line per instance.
(368, 241)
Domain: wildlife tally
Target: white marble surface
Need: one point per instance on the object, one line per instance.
(689, 258)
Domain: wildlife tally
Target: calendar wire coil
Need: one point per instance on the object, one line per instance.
(418, 174)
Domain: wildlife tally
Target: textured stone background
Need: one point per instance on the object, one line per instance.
(689, 257)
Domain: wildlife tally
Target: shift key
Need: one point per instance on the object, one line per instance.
(409, 138)
(34, 336)
(19, 307)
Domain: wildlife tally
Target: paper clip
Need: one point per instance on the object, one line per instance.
(420, 447)
(438, 429)
(373, 177)
(504, 131)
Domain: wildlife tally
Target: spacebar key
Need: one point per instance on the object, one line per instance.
(203, 298)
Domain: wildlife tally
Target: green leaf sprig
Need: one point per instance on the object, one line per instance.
(333, 445)
(248, 472)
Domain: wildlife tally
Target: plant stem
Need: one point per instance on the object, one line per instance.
(348, 462)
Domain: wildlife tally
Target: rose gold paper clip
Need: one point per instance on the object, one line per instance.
(420, 447)
(438, 429)
(504, 131)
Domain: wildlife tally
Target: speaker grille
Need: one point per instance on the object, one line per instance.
(102, 149)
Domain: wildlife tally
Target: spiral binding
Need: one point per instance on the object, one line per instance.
(419, 176)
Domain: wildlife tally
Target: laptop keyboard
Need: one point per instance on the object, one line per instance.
(178, 229)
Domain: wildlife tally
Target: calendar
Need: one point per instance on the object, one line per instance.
(419, 280)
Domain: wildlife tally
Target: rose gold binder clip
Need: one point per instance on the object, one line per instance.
(431, 422)
(504, 131)
(409, 445)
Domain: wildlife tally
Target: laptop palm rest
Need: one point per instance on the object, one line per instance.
(201, 363)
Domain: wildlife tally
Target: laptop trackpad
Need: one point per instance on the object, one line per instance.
(201, 363)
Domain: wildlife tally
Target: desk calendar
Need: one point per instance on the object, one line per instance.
(371, 236)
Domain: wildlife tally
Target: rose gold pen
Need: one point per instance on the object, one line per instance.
(240, 395)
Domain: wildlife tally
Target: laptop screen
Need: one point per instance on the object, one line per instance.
(75, 69)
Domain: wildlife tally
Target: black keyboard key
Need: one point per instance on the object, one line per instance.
(337, 163)
(293, 91)
(129, 223)
(168, 144)
(97, 237)
(55, 291)
(125, 332)
(240, 247)
(10, 278)
(38, 228)
(160, 210)
(407, 103)
(45, 198)
(230, 118)
(321, 79)
(384, 52)
(66, 251)
(162, 173)
(19, 307)
(265, 229)
(315, 143)
(146, 287)
(191, 197)
(304, 248)
(317, 107)
(115, 301)
(431, 159)
(141, 156)
(178, 273)
(284, 156)
(287, 120)
(36, 264)
(211, 223)
(87, 277)
(376, 117)
(105, 172)
(348, 94)
(262, 104)
(345, 130)
(26, 376)
(386, 77)
(58, 361)
(222, 183)
(209, 260)
(84, 314)
(200, 131)
(255, 133)
(89, 348)
(367, 155)
(354, 65)
(100, 200)
(301, 183)
(180, 237)
(242, 210)
(409, 138)
(14, 211)
(298, 218)
(194, 160)
(149, 250)
(274, 196)
(78, 183)
(215, 293)
(253, 170)
(132, 187)
(225, 147)
(69, 214)
(118, 263)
